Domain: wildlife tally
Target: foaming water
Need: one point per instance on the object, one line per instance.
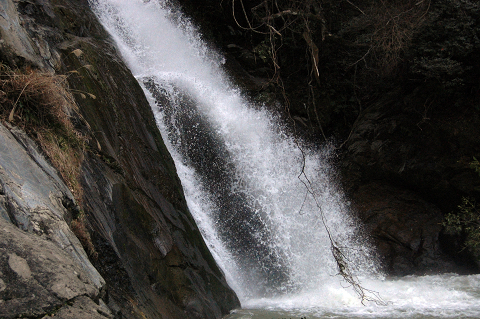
(246, 180)
(440, 296)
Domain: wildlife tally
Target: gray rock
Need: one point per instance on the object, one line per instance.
(83, 307)
(33, 196)
(15, 41)
(38, 277)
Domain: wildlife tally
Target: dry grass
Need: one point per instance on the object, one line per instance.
(66, 155)
(32, 98)
(393, 24)
(42, 104)
(79, 228)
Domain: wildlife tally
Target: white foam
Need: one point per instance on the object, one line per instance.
(440, 296)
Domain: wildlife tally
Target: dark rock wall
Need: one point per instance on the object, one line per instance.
(406, 165)
(156, 263)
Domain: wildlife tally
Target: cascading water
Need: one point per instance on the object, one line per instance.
(259, 197)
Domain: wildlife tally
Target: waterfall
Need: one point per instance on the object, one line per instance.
(240, 169)
(258, 195)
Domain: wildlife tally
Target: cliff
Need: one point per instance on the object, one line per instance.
(146, 257)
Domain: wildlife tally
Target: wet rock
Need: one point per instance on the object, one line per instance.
(240, 225)
(405, 229)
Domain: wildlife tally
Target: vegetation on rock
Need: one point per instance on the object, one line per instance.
(465, 222)
(42, 104)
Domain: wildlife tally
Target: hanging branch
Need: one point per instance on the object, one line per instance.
(365, 295)
(267, 21)
(286, 17)
(274, 19)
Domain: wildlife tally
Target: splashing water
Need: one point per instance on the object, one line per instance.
(242, 176)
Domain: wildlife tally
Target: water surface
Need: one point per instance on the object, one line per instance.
(416, 297)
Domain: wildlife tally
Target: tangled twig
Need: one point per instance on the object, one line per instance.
(365, 295)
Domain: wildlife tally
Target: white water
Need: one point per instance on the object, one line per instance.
(257, 164)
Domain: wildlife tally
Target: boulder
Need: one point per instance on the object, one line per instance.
(405, 229)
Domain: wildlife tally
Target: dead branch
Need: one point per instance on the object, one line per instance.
(365, 295)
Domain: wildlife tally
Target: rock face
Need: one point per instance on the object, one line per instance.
(37, 277)
(43, 266)
(406, 167)
(151, 254)
(405, 227)
(35, 199)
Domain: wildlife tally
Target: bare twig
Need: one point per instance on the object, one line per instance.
(250, 27)
(356, 7)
